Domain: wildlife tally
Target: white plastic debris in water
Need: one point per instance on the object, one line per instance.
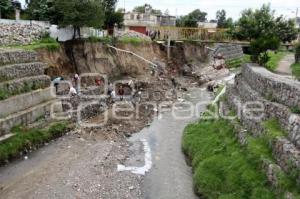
(26, 158)
(148, 162)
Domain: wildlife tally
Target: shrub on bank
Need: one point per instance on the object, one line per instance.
(296, 70)
(259, 49)
(238, 62)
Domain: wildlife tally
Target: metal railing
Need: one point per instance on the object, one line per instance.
(182, 33)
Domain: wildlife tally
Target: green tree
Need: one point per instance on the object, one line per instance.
(192, 19)
(37, 9)
(6, 9)
(80, 13)
(285, 29)
(260, 46)
(111, 16)
(141, 9)
(262, 22)
(221, 18)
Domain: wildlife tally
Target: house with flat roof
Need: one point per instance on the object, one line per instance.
(141, 22)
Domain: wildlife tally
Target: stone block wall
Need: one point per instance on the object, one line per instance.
(17, 56)
(21, 70)
(229, 51)
(19, 34)
(272, 86)
(26, 90)
(288, 120)
(254, 84)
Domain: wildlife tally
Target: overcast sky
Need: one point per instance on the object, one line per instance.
(233, 7)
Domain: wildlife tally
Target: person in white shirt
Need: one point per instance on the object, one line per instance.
(72, 91)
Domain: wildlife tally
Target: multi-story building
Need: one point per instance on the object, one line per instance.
(141, 22)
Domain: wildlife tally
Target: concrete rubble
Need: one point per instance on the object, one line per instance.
(132, 34)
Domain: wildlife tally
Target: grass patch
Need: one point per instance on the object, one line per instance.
(296, 70)
(27, 139)
(224, 169)
(295, 110)
(273, 129)
(274, 60)
(23, 88)
(47, 43)
(238, 62)
(219, 90)
(105, 40)
(133, 40)
(3, 95)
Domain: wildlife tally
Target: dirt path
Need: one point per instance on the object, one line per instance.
(284, 66)
(170, 177)
(72, 167)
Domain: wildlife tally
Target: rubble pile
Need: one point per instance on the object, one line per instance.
(132, 34)
(18, 34)
(209, 74)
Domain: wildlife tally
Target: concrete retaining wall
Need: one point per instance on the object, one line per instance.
(22, 102)
(25, 117)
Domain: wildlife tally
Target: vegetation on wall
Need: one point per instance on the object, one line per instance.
(237, 62)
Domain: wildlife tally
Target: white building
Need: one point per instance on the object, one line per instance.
(207, 25)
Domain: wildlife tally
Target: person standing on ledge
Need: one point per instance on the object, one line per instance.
(56, 82)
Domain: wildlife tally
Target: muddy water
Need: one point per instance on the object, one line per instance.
(170, 177)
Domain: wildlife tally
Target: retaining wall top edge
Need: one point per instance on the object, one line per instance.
(264, 73)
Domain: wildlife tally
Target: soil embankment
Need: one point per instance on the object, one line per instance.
(87, 57)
